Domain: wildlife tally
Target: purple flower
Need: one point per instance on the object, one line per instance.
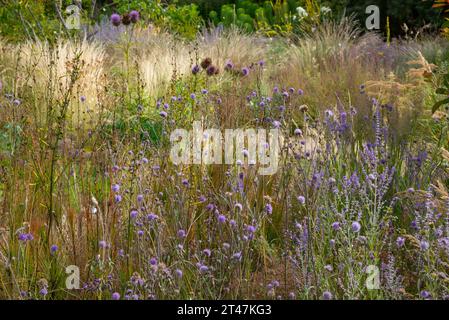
(24, 237)
(269, 208)
(298, 132)
(134, 16)
(203, 269)
(336, 226)
(424, 245)
(115, 187)
(139, 198)
(192, 96)
(163, 114)
(327, 295)
(229, 65)
(118, 198)
(251, 229)
(181, 233)
(140, 233)
(43, 291)
(178, 273)
(195, 69)
(238, 206)
(300, 92)
(221, 218)
(116, 296)
(355, 227)
(83, 98)
(245, 71)
(115, 19)
(237, 255)
(302, 200)
(400, 241)
(53, 249)
(207, 252)
(425, 294)
(102, 244)
(153, 261)
(133, 213)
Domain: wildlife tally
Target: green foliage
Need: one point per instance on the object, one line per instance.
(184, 20)
(443, 90)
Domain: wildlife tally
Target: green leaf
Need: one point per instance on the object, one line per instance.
(442, 91)
(437, 105)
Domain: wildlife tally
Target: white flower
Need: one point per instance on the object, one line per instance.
(302, 13)
(325, 10)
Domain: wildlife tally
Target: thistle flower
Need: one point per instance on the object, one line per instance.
(207, 252)
(116, 296)
(424, 294)
(211, 70)
(126, 19)
(153, 261)
(269, 208)
(336, 226)
(221, 218)
(53, 249)
(118, 198)
(133, 214)
(102, 244)
(116, 19)
(298, 132)
(424, 245)
(245, 71)
(24, 237)
(203, 268)
(83, 98)
(134, 15)
(400, 241)
(327, 295)
(195, 69)
(178, 273)
(229, 65)
(115, 187)
(355, 227)
(163, 114)
(300, 92)
(238, 206)
(181, 233)
(43, 291)
(139, 198)
(206, 63)
(301, 199)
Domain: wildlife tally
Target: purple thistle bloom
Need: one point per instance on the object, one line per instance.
(178, 273)
(301, 199)
(151, 217)
(221, 218)
(204, 91)
(232, 223)
(251, 229)
(207, 252)
(116, 19)
(139, 198)
(118, 198)
(400, 241)
(181, 233)
(163, 114)
(53, 249)
(425, 294)
(238, 206)
(134, 15)
(245, 71)
(300, 92)
(195, 69)
(43, 291)
(336, 226)
(298, 132)
(133, 214)
(192, 96)
(276, 124)
(327, 295)
(115, 187)
(102, 244)
(424, 245)
(229, 65)
(203, 269)
(116, 296)
(153, 261)
(83, 98)
(355, 227)
(269, 208)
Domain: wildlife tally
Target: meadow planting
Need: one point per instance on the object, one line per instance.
(138, 163)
